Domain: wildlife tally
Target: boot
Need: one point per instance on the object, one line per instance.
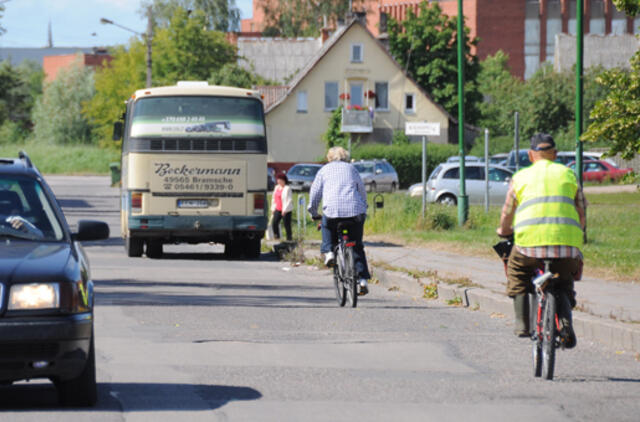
(521, 309)
(568, 338)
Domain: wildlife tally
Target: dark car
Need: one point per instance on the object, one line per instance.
(301, 176)
(46, 291)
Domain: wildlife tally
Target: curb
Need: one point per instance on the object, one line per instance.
(617, 335)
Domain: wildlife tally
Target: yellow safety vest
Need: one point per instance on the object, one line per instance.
(546, 213)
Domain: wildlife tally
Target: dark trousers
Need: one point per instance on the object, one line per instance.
(286, 219)
(329, 231)
(521, 269)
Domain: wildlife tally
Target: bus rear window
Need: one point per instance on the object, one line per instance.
(197, 117)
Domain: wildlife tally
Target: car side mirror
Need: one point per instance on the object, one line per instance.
(378, 171)
(91, 230)
(118, 129)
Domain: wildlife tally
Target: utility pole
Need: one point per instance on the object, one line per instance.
(579, 79)
(148, 37)
(463, 199)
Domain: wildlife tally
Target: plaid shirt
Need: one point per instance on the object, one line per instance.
(341, 190)
(542, 252)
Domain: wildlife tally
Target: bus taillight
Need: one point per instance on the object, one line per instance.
(258, 203)
(136, 201)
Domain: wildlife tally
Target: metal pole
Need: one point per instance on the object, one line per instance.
(579, 80)
(516, 138)
(424, 175)
(148, 37)
(486, 170)
(463, 199)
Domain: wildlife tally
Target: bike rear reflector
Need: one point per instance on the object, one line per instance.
(136, 201)
(350, 244)
(258, 202)
(40, 364)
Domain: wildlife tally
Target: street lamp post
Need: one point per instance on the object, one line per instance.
(463, 199)
(148, 36)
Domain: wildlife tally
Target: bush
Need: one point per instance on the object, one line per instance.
(406, 159)
(12, 133)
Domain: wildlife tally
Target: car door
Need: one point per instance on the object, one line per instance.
(498, 185)
(382, 178)
(474, 180)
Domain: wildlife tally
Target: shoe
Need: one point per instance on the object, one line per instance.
(364, 287)
(329, 259)
(568, 338)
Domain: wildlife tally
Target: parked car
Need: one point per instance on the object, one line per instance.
(46, 291)
(599, 170)
(301, 176)
(566, 157)
(523, 159)
(499, 159)
(443, 185)
(378, 175)
(456, 158)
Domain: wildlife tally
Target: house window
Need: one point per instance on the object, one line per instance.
(382, 96)
(356, 92)
(302, 102)
(330, 95)
(356, 53)
(409, 103)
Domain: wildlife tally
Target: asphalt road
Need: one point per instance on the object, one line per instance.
(195, 337)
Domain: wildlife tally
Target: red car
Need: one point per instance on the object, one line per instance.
(598, 170)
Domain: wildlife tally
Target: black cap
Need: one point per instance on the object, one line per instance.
(542, 142)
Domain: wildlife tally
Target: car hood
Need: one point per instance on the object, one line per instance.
(22, 262)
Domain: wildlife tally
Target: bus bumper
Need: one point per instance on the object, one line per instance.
(209, 227)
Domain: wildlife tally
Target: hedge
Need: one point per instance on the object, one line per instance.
(406, 159)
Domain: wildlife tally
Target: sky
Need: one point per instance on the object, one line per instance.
(75, 23)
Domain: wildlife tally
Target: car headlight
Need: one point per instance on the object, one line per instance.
(34, 296)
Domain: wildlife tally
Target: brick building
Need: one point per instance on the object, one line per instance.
(53, 64)
(524, 29)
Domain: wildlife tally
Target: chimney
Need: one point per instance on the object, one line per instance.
(325, 34)
(49, 36)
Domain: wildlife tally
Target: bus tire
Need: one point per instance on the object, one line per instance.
(133, 246)
(154, 249)
(253, 248)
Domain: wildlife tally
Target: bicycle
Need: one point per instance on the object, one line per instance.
(548, 334)
(345, 278)
(548, 298)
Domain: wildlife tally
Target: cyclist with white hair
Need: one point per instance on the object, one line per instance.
(340, 188)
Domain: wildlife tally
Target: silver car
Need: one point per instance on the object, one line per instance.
(377, 175)
(301, 176)
(443, 185)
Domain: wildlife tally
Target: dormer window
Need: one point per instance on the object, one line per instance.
(357, 53)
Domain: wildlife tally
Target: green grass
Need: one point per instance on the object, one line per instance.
(613, 230)
(57, 159)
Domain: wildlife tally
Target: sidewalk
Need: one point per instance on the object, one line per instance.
(609, 311)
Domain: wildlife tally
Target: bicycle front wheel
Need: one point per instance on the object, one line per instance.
(341, 294)
(350, 277)
(549, 336)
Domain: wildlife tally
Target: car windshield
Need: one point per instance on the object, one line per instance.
(25, 211)
(304, 171)
(364, 167)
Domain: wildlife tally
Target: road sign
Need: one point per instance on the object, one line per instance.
(422, 128)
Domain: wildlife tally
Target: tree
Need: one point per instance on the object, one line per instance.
(501, 92)
(630, 7)
(300, 18)
(426, 45)
(616, 118)
(221, 15)
(233, 75)
(184, 50)
(57, 114)
(14, 94)
(2, 30)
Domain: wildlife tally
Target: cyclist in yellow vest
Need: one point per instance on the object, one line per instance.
(545, 209)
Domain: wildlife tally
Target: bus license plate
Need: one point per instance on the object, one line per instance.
(193, 203)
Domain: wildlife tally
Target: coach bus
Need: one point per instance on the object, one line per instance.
(194, 169)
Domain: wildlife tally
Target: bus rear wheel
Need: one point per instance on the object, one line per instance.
(154, 249)
(133, 246)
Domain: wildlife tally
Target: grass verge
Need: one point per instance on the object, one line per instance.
(71, 159)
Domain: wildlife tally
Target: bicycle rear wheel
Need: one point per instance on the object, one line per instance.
(536, 350)
(341, 294)
(350, 277)
(549, 336)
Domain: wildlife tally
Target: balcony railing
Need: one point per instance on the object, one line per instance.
(356, 121)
